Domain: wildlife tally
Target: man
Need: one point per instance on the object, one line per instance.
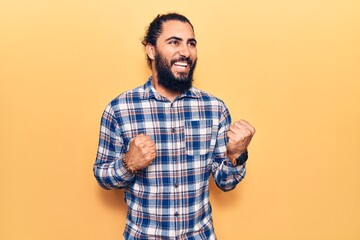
(163, 140)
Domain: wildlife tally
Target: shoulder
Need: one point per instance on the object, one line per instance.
(129, 95)
(125, 100)
(209, 98)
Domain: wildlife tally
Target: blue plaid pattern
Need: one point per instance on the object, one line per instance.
(170, 198)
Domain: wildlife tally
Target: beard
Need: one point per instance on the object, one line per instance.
(168, 80)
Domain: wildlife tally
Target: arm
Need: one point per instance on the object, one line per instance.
(232, 141)
(109, 169)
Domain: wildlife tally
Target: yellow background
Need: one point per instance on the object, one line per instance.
(291, 68)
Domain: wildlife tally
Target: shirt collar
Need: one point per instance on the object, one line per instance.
(150, 92)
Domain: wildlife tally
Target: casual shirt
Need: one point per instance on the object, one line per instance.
(169, 199)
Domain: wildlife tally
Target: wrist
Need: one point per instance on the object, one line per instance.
(240, 159)
(125, 162)
(232, 159)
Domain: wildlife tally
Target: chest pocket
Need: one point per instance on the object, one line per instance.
(198, 136)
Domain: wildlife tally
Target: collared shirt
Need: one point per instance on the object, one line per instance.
(169, 199)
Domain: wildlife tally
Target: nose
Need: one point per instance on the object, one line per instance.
(184, 51)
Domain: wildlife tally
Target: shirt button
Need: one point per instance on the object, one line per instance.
(176, 214)
(176, 184)
(172, 130)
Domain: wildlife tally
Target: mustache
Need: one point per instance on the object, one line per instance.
(182, 59)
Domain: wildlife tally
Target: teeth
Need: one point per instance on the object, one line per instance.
(180, 64)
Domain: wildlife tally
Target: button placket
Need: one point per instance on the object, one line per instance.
(175, 165)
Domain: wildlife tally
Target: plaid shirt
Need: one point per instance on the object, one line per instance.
(169, 199)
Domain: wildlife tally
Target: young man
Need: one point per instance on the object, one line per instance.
(163, 140)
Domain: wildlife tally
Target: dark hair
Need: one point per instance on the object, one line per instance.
(155, 28)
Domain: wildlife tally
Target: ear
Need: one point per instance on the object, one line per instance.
(150, 51)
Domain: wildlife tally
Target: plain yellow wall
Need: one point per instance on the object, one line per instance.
(292, 68)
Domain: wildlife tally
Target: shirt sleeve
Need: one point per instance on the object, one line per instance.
(109, 169)
(225, 174)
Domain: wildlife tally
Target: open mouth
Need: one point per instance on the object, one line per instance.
(181, 65)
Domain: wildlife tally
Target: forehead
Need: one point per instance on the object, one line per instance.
(176, 29)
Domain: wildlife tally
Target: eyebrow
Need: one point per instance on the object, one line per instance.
(180, 39)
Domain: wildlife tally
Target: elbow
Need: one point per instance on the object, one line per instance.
(106, 182)
(102, 182)
(103, 186)
(225, 186)
(228, 184)
(109, 179)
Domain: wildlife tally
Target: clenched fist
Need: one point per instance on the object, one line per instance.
(240, 135)
(141, 152)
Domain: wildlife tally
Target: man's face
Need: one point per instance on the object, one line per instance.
(175, 56)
